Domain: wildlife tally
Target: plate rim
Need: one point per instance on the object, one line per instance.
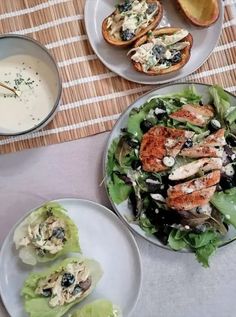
(109, 140)
(157, 82)
(113, 216)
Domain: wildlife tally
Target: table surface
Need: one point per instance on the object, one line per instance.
(174, 284)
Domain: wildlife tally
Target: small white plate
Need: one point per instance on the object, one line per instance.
(123, 209)
(102, 237)
(204, 41)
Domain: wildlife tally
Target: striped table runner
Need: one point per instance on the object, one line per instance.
(93, 97)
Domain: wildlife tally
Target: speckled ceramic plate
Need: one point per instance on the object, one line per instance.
(204, 41)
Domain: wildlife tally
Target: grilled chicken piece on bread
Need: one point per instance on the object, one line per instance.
(190, 169)
(189, 201)
(162, 51)
(159, 142)
(131, 19)
(194, 114)
(193, 185)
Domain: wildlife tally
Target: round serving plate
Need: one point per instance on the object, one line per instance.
(123, 210)
(204, 41)
(103, 237)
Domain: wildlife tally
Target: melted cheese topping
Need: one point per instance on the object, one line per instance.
(132, 20)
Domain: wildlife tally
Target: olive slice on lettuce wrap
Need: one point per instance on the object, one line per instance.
(53, 292)
(46, 234)
(98, 308)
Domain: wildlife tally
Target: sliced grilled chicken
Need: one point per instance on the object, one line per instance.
(190, 169)
(193, 185)
(159, 142)
(195, 114)
(202, 151)
(215, 139)
(190, 201)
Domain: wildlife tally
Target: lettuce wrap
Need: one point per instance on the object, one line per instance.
(51, 293)
(46, 234)
(98, 308)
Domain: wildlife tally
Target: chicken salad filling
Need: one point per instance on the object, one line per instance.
(130, 18)
(173, 166)
(65, 286)
(45, 234)
(160, 52)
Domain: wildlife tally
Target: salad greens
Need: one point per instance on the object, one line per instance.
(98, 308)
(46, 234)
(36, 305)
(145, 192)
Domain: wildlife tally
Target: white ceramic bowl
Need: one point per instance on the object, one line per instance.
(27, 65)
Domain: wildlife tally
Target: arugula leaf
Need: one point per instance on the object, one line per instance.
(225, 202)
(203, 254)
(118, 190)
(221, 101)
(176, 241)
(198, 240)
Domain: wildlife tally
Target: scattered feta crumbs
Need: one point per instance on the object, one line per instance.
(187, 227)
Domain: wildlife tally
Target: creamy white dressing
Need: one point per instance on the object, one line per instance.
(38, 87)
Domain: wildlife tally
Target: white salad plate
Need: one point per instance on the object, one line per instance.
(204, 41)
(104, 238)
(123, 210)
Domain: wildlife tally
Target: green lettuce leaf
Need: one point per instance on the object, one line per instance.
(111, 162)
(231, 117)
(225, 202)
(204, 253)
(28, 254)
(221, 101)
(98, 308)
(37, 306)
(176, 241)
(118, 190)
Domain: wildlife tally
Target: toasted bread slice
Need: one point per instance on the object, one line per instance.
(185, 52)
(152, 25)
(189, 201)
(201, 13)
(195, 184)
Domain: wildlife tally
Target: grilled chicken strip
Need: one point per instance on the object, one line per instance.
(190, 201)
(207, 148)
(195, 114)
(193, 185)
(190, 169)
(159, 142)
(202, 151)
(215, 139)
